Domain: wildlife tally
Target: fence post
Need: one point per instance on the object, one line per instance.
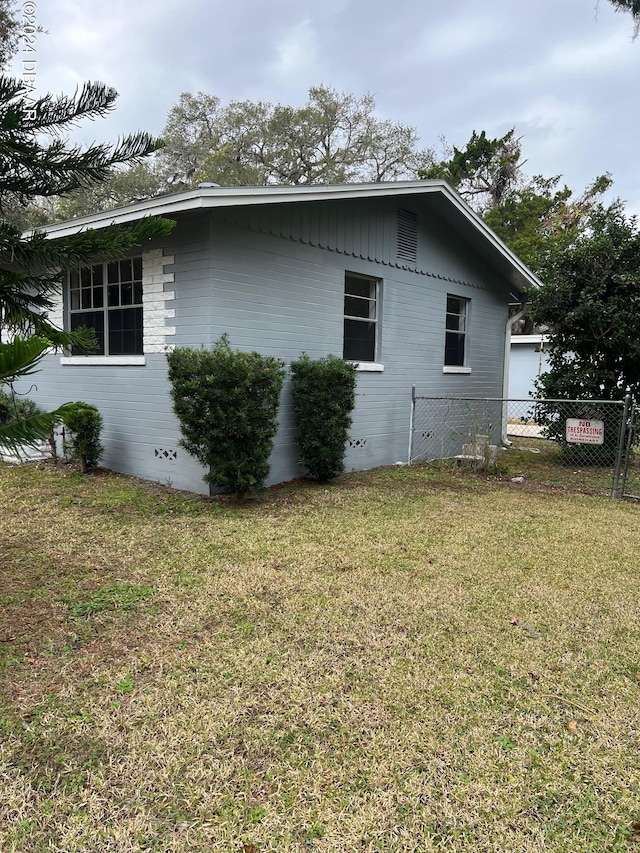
(621, 443)
(630, 437)
(413, 408)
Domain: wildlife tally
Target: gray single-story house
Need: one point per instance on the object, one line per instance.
(402, 278)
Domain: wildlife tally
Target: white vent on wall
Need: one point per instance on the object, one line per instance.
(407, 236)
(357, 442)
(165, 454)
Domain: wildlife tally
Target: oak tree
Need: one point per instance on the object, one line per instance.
(333, 138)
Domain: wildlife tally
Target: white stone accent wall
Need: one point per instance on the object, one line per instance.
(55, 315)
(154, 301)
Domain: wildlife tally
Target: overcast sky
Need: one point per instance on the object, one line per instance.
(565, 73)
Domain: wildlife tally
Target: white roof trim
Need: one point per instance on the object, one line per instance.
(204, 198)
(529, 339)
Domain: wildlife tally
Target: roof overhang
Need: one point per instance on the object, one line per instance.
(529, 339)
(443, 201)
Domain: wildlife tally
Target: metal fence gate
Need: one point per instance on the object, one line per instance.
(630, 473)
(591, 433)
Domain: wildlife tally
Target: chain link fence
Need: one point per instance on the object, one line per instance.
(591, 437)
(630, 476)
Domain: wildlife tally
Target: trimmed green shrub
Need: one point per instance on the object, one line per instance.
(324, 395)
(227, 405)
(84, 422)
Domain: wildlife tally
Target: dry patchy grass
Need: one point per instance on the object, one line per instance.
(404, 661)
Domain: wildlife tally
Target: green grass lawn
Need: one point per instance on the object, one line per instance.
(407, 660)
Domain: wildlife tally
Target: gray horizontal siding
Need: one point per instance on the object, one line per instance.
(136, 411)
(365, 229)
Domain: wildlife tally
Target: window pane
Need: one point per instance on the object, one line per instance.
(120, 331)
(359, 287)
(455, 322)
(126, 293)
(126, 270)
(97, 274)
(356, 307)
(455, 331)
(125, 331)
(454, 349)
(360, 301)
(90, 320)
(98, 297)
(455, 305)
(359, 340)
(112, 272)
(113, 295)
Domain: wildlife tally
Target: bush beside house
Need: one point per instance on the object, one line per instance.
(323, 398)
(227, 405)
(84, 423)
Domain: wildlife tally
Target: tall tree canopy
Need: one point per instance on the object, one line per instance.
(484, 171)
(542, 213)
(528, 213)
(591, 303)
(333, 138)
(9, 32)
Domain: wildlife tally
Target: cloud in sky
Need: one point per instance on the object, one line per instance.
(455, 38)
(297, 53)
(561, 74)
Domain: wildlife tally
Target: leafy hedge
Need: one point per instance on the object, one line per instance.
(227, 405)
(323, 399)
(84, 422)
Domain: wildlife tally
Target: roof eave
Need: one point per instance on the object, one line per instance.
(206, 198)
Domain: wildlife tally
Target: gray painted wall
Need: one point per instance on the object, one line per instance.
(527, 361)
(272, 278)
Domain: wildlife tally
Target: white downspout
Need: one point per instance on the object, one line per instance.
(505, 376)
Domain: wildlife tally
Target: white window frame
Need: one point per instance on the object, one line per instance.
(136, 282)
(460, 329)
(369, 365)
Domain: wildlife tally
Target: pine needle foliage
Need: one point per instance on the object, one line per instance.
(22, 428)
(33, 166)
(37, 161)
